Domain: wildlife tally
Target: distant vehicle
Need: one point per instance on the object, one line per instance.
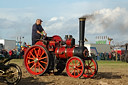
(94, 51)
(1, 46)
(7, 44)
(124, 57)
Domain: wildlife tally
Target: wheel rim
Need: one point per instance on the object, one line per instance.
(36, 60)
(90, 67)
(75, 67)
(12, 75)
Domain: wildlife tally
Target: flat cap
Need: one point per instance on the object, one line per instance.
(40, 20)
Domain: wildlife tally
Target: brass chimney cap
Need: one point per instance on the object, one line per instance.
(82, 19)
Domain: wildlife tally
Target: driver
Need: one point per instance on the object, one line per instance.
(37, 31)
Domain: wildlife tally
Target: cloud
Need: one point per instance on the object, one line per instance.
(61, 26)
(53, 19)
(56, 18)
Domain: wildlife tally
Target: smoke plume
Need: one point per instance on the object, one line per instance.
(107, 20)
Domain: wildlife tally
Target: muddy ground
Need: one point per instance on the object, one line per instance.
(108, 74)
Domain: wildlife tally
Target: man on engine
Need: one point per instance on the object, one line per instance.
(37, 31)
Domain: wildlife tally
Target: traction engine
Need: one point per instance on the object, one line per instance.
(55, 54)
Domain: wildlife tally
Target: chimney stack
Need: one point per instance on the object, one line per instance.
(81, 31)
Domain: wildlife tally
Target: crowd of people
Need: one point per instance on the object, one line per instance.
(13, 53)
(107, 56)
(16, 53)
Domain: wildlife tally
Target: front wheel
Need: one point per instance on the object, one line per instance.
(14, 74)
(75, 67)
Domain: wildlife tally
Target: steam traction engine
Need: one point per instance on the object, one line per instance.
(54, 54)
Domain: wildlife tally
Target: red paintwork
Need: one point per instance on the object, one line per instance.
(51, 46)
(70, 52)
(57, 38)
(68, 42)
(40, 43)
(25, 49)
(52, 43)
(63, 52)
(119, 51)
(60, 52)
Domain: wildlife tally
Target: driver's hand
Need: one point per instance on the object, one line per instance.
(45, 34)
(42, 35)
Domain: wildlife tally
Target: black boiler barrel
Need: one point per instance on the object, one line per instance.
(81, 31)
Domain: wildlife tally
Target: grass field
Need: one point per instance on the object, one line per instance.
(112, 64)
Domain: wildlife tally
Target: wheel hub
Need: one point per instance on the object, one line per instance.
(74, 67)
(87, 67)
(36, 60)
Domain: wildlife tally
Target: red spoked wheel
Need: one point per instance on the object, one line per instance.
(36, 60)
(91, 67)
(75, 67)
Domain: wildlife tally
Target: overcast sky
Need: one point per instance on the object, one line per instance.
(108, 18)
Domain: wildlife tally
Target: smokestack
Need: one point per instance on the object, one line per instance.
(81, 31)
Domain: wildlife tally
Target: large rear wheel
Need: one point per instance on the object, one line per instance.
(75, 67)
(37, 60)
